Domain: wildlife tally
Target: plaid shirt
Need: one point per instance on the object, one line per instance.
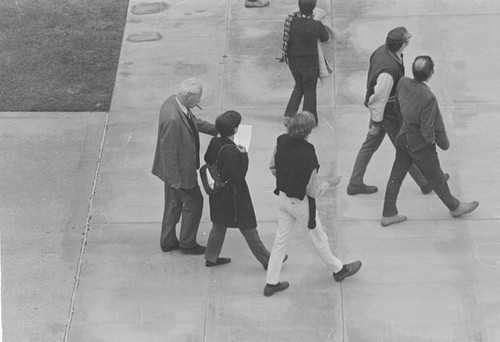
(286, 33)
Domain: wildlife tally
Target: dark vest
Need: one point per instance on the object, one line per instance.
(383, 61)
(295, 159)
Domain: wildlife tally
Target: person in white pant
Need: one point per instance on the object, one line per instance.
(295, 166)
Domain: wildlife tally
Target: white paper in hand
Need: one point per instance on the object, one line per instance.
(243, 136)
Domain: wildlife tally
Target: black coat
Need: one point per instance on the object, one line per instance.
(232, 207)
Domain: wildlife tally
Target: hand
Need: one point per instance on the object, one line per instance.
(374, 128)
(336, 181)
(241, 148)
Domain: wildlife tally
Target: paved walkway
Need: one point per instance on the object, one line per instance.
(80, 210)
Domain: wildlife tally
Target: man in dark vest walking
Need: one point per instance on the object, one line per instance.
(386, 69)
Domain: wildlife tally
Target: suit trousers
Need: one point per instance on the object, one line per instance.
(292, 212)
(428, 162)
(251, 235)
(189, 203)
(305, 72)
(390, 126)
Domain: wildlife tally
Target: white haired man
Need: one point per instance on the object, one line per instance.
(176, 160)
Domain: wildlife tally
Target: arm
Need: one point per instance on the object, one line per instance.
(323, 33)
(440, 131)
(272, 163)
(377, 102)
(205, 126)
(427, 118)
(314, 189)
(235, 164)
(169, 149)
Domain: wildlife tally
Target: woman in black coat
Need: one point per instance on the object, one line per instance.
(232, 206)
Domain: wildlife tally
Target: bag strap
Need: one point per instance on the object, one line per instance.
(217, 160)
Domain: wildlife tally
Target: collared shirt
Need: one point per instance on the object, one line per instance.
(182, 107)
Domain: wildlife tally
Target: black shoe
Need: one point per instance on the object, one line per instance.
(220, 261)
(269, 290)
(353, 189)
(347, 271)
(171, 248)
(284, 259)
(427, 187)
(196, 250)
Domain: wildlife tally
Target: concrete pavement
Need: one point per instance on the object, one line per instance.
(81, 212)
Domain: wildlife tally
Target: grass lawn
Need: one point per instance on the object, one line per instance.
(59, 55)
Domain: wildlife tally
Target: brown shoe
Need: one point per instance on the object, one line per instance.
(347, 271)
(269, 290)
(258, 3)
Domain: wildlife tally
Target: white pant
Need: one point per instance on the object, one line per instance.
(293, 211)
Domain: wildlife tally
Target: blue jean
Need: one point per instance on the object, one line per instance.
(390, 126)
(428, 162)
(305, 72)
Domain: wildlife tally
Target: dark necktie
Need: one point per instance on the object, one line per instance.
(196, 136)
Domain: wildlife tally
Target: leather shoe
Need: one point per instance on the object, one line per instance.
(171, 247)
(284, 259)
(353, 189)
(464, 208)
(269, 290)
(220, 261)
(347, 271)
(387, 221)
(196, 250)
(427, 187)
(258, 3)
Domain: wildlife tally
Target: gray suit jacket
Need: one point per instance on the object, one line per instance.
(422, 120)
(176, 155)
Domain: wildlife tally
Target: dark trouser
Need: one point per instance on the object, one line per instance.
(251, 235)
(390, 126)
(189, 203)
(305, 72)
(428, 162)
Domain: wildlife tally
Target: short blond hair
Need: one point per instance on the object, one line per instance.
(300, 125)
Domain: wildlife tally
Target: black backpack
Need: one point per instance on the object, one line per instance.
(214, 185)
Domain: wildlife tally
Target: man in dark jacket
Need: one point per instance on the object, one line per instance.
(232, 206)
(386, 69)
(421, 131)
(176, 160)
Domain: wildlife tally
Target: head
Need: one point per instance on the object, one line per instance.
(397, 39)
(300, 125)
(190, 92)
(227, 123)
(306, 7)
(422, 68)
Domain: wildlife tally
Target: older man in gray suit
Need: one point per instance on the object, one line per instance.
(422, 129)
(176, 160)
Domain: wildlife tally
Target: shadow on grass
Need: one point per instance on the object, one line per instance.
(59, 55)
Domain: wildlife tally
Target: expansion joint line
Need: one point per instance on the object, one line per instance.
(85, 234)
(224, 56)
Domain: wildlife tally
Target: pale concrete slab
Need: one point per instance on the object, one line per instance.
(48, 165)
